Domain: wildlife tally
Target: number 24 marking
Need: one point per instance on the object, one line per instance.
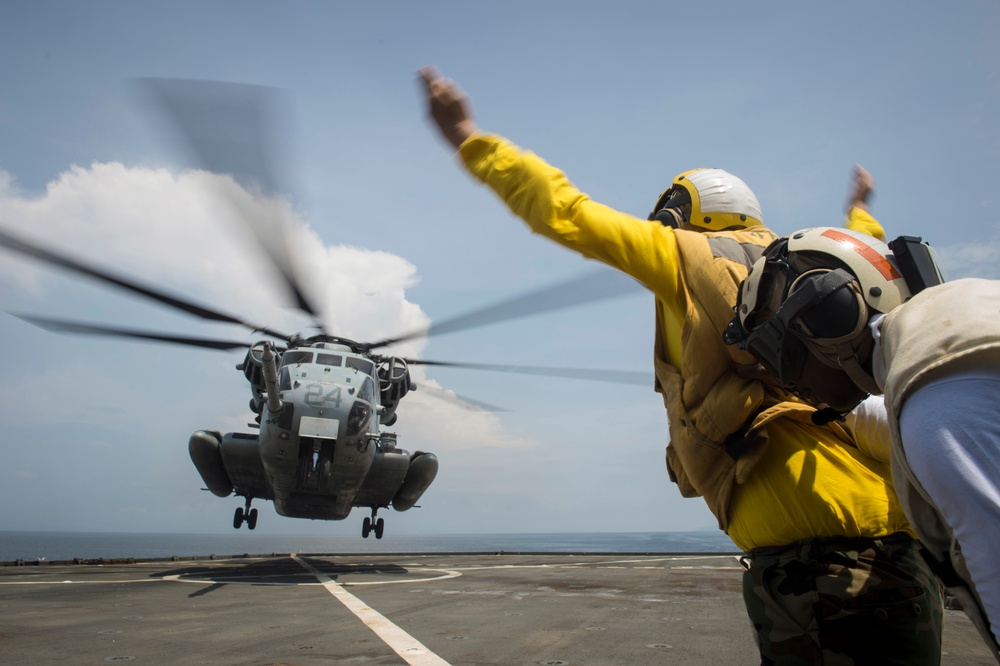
(316, 397)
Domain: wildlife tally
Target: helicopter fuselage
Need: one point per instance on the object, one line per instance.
(319, 451)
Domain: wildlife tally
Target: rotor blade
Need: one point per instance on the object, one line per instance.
(614, 376)
(62, 326)
(37, 252)
(587, 288)
(232, 128)
(229, 128)
(461, 400)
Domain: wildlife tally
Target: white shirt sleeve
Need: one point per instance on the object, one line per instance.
(869, 423)
(878, 366)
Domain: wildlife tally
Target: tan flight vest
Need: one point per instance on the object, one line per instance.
(948, 328)
(706, 401)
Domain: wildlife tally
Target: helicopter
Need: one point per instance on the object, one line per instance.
(322, 404)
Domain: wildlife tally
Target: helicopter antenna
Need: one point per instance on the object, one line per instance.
(228, 129)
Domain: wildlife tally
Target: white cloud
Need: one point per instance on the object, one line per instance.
(177, 231)
(25, 474)
(442, 425)
(171, 230)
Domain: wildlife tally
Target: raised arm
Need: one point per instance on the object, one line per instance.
(448, 107)
(544, 198)
(861, 189)
(859, 218)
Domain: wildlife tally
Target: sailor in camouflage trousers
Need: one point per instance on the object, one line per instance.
(810, 580)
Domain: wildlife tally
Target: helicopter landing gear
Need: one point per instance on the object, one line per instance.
(247, 515)
(372, 525)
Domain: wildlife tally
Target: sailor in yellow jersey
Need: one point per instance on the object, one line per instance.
(833, 575)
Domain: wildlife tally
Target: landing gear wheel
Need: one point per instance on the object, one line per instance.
(379, 528)
(366, 528)
(238, 518)
(252, 519)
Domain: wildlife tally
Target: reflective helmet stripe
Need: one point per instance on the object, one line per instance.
(870, 254)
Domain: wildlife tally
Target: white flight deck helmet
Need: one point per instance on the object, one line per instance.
(812, 294)
(719, 201)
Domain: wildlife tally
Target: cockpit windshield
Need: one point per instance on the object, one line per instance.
(361, 364)
(293, 357)
(367, 391)
(330, 359)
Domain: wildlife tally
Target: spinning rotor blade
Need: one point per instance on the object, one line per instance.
(62, 326)
(460, 400)
(230, 129)
(583, 289)
(614, 376)
(37, 252)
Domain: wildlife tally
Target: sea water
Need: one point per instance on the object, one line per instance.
(63, 546)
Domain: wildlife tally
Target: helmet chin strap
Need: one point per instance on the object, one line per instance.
(847, 360)
(862, 378)
(843, 355)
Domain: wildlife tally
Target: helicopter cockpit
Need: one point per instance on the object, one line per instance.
(298, 356)
(344, 383)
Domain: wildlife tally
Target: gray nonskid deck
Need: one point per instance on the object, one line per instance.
(393, 609)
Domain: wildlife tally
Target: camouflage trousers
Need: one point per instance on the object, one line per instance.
(844, 602)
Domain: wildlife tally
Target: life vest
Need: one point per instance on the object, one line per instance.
(716, 417)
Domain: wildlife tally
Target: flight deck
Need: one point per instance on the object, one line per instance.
(420, 609)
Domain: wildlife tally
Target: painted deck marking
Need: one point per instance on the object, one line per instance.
(409, 648)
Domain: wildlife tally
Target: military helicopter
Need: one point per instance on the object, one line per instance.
(321, 403)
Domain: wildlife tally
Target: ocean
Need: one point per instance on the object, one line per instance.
(65, 546)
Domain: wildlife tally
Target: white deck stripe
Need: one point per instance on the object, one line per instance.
(410, 649)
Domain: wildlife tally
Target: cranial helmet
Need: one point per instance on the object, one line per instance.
(719, 200)
(811, 294)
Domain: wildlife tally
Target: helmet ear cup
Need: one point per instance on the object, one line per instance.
(836, 316)
(669, 210)
(667, 217)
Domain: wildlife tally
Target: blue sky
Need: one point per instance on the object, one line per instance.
(787, 95)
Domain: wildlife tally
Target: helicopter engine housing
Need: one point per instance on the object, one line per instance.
(394, 383)
(253, 369)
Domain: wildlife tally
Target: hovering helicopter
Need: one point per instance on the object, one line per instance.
(322, 403)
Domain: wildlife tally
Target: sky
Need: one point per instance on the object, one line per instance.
(393, 234)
